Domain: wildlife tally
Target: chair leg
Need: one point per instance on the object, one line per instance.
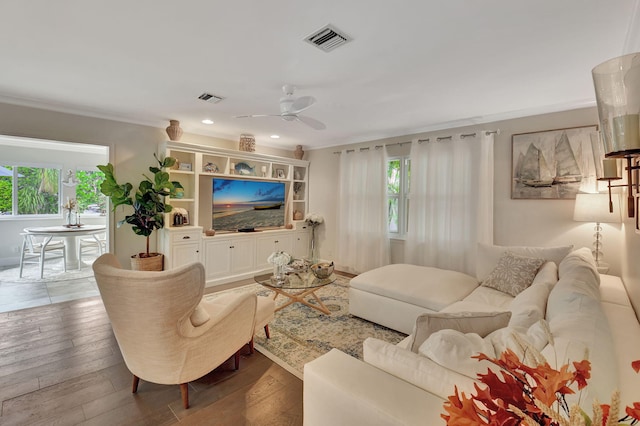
(266, 331)
(136, 380)
(184, 391)
(24, 247)
(251, 349)
(42, 262)
(237, 359)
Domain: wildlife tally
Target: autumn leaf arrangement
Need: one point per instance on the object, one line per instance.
(530, 392)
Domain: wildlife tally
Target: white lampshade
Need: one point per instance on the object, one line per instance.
(595, 208)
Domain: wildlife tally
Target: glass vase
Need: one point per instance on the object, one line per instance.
(313, 257)
(278, 274)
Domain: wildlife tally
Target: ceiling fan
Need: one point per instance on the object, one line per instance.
(290, 107)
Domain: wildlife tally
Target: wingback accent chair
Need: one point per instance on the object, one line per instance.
(167, 334)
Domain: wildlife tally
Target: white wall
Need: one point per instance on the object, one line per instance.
(131, 149)
(516, 222)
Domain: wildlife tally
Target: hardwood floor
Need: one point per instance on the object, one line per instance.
(60, 364)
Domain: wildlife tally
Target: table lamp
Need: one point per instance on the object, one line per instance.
(595, 208)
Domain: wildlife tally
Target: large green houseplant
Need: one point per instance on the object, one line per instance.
(148, 204)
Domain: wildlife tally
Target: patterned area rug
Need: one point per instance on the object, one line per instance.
(300, 334)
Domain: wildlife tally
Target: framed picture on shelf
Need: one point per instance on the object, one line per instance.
(280, 173)
(185, 166)
(553, 164)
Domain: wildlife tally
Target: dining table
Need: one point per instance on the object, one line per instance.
(70, 234)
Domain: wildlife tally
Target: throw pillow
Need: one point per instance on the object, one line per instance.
(488, 255)
(199, 316)
(513, 273)
(453, 350)
(481, 323)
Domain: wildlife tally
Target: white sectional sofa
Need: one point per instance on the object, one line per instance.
(585, 311)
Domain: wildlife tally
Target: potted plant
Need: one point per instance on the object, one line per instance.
(148, 205)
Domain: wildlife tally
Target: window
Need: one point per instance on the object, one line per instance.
(398, 173)
(29, 190)
(88, 196)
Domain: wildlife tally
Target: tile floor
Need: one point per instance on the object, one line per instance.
(20, 293)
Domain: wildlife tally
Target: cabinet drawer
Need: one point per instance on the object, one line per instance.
(185, 236)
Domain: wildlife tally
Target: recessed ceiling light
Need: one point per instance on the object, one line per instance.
(275, 137)
(207, 121)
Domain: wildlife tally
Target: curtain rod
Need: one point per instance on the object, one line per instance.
(438, 139)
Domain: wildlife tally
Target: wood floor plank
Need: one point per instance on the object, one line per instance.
(60, 364)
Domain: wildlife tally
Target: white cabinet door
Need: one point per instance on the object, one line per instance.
(217, 258)
(181, 254)
(243, 253)
(267, 245)
(301, 244)
(181, 246)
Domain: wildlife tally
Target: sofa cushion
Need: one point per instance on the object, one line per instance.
(424, 286)
(414, 368)
(581, 265)
(481, 323)
(453, 350)
(488, 255)
(529, 307)
(513, 273)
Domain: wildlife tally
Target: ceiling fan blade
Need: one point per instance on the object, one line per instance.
(301, 104)
(311, 122)
(255, 115)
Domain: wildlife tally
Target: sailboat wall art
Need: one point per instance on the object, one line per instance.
(553, 164)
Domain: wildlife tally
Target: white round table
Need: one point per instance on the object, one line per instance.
(69, 234)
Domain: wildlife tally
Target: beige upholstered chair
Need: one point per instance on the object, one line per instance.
(42, 249)
(166, 333)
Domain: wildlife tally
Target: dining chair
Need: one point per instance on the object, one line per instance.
(166, 332)
(94, 243)
(43, 249)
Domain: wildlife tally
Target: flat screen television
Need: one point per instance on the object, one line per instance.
(245, 204)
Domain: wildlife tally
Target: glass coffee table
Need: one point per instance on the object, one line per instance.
(296, 287)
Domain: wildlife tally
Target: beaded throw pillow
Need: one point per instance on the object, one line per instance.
(513, 273)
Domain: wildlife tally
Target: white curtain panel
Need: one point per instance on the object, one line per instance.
(363, 242)
(450, 201)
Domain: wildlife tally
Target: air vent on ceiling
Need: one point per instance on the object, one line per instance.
(208, 97)
(327, 38)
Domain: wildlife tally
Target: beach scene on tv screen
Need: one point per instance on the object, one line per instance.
(241, 204)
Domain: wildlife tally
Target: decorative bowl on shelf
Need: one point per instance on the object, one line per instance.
(322, 269)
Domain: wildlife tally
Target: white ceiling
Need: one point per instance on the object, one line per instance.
(413, 65)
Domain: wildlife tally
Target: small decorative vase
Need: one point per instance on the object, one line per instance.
(313, 257)
(298, 153)
(278, 273)
(297, 215)
(174, 131)
(247, 143)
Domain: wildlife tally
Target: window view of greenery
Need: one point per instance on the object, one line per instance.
(38, 191)
(88, 196)
(398, 173)
(393, 193)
